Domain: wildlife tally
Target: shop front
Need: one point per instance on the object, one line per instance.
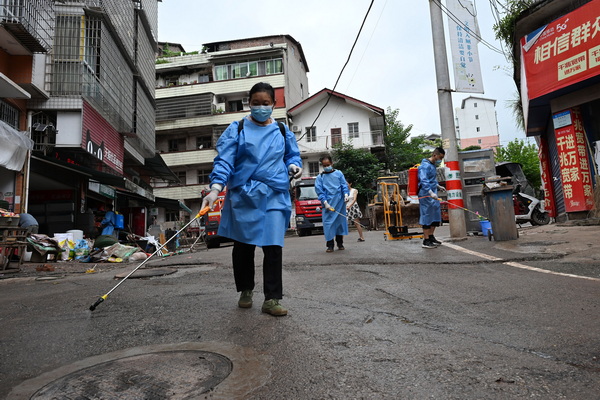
(560, 92)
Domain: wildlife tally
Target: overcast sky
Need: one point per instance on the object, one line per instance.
(391, 66)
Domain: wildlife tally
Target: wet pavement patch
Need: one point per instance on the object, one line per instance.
(147, 273)
(165, 375)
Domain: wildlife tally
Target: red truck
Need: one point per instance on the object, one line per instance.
(211, 222)
(307, 207)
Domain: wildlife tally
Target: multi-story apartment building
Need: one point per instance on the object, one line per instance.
(26, 29)
(477, 123)
(199, 94)
(344, 120)
(91, 112)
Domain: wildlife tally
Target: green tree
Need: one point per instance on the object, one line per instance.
(358, 165)
(525, 154)
(402, 151)
(472, 147)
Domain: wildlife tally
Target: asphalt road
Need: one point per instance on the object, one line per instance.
(379, 320)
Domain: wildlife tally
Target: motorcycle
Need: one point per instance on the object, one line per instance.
(528, 208)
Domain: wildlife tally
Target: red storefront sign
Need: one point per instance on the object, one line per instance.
(101, 140)
(549, 204)
(564, 52)
(574, 165)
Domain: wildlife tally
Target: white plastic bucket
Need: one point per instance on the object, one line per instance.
(77, 234)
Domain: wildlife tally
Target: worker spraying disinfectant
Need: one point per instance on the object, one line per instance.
(429, 206)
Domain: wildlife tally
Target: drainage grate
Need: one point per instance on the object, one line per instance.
(184, 374)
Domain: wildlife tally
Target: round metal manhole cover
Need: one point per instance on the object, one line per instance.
(183, 374)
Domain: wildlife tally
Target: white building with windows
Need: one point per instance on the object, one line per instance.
(344, 120)
(477, 123)
(199, 94)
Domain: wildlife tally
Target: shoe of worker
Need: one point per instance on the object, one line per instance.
(245, 300)
(329, 250)
(274, 308)
(427, 244)
(433, 240)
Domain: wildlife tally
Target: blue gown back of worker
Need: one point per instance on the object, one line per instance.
(429, 207)
(254, 166)
(331, 187)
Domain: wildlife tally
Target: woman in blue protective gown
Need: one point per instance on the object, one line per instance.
(255, 164)
(332, 189)
(429, 204)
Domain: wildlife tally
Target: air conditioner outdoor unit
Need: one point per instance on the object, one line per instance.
(245, 100)
(296, 129)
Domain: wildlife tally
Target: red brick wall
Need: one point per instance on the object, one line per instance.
(102, 132)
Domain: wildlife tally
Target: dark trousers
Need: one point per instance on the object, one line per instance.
(243, 269)
(339, 239)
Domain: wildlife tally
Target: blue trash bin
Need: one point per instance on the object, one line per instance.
(486, 227)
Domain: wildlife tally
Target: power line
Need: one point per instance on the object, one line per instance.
(340, 75)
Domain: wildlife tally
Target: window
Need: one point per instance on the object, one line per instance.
(311, 134)
(248, 68)
(203, 176)
(313, 168)
(477, 129)
(171, 216)
(203, 142)
(9, 114)
(176, 144)
(353, 130)
(182, 176)
(478, 141)
(475, 105)
(301, 91)
(217, 132)
(477, 117)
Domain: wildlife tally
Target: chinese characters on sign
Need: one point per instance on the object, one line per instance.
(546, 171)
(563, 52)
(463, 45)
(574, 165)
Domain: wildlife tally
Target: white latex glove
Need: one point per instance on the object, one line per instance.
(295, 171)
(209, 199)
(346, 198)
(433, 195)
(327, 206)
(440, 187)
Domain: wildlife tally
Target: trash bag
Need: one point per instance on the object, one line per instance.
(103, 241)
(82, 249)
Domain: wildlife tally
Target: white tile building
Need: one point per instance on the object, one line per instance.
(477, 123)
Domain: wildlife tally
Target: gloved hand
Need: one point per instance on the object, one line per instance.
(440, 187)
(209, 199)
(327, 206)
(346, 197)
(433, 195)
(295, 171)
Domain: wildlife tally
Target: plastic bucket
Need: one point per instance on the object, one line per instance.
(77, 234)
(486, 227)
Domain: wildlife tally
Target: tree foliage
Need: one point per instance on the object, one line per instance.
(359, 166)
(505, 27)
(472, 147)
(402, 150)
(525, 154)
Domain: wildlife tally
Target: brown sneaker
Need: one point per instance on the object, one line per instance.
(245, 300)
(274, 308)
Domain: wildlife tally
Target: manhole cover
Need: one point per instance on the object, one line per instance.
(183, 374)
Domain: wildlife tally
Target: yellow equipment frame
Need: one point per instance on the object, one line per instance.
(392, 212)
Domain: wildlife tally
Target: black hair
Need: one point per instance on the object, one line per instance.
(263, 87)
(109, 207)
(439, 150)
(327, 157)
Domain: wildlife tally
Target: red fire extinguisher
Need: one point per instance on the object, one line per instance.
(413, 181)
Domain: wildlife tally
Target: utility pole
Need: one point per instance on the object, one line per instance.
(456, 215)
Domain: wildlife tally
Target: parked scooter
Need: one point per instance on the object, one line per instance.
(528, 208)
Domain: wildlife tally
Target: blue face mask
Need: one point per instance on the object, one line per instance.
(261, 113)
(438, 163)
(328, 169)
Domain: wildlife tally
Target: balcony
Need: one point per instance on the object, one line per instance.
(31, 22)
(190, 157)
(362, 140)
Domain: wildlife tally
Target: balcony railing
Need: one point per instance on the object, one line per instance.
(30, 21)
(361, 140)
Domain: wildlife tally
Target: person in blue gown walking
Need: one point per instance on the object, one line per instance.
(255, 164)
(332, 189)
(429, 204)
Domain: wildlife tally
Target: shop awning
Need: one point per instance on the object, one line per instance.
(171, 204)
(14, 147)
(156, 167)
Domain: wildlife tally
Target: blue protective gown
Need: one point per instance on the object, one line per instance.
(332, 187)
(430, 208)
(254, 166)
(108, 223)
